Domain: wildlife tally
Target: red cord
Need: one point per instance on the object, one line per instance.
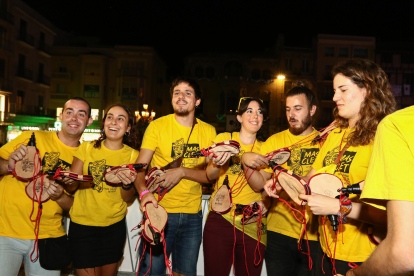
(39, 208)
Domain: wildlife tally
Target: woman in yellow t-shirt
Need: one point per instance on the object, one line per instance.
(97, 229)
(218, 237)
(363, 97)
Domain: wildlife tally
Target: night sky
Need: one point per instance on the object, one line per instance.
(179, 28)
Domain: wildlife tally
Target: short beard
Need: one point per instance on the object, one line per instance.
(182, 113)
(305, 124)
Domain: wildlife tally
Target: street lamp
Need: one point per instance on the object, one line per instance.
(280, 77)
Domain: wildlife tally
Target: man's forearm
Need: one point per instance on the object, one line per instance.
(256, 180)
(65, 202)
(196, 175)
(4, 164)
(139, 182)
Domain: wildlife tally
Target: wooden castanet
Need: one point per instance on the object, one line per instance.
(231, 146)
(278, 157)
(292, 184)
(155, 220)
(222, 202)
(37, 183)
(247, 209)
(151, 177)
(325, 184)
(111, 173)
(30, 166)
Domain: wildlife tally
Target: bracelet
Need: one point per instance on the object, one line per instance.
(127, 187)
(344, 209)
(9, 169)
(143, 193)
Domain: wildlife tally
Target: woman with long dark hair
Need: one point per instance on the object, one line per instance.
(97, 229)
(363, 98)
(222, 232)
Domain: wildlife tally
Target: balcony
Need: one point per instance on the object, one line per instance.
(43, 80)
(61, 75)
(60, 97)
(25, 73)
(5, 86)
(44, 48)
(26, 38)
(21, 109)
(6, 16)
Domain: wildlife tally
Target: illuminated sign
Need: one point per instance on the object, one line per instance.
(58, 125)
(29, 128)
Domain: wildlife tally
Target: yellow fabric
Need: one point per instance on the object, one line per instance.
(280, 218)
(244, 196)
(16, 206)
(391, 169)
(101, 205)
(167, 138)
(353, 169)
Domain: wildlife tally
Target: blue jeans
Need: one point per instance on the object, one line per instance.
(13, 251)
(183, 234)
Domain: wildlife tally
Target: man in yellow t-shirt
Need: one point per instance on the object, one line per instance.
(389, 185)
(283, 231)
(166, 140)
(17, 235)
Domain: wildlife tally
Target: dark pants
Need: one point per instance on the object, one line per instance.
(340, 266)
(284, 259)
(218, 242)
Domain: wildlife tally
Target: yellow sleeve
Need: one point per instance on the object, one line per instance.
(14, 144)
(81, 152)
(390, 173)
(268, 146)
(222, 137)
(151, 136)
(134, 157)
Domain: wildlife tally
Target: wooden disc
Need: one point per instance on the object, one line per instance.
(25, 168)
(252, 219)
(151, 177)
(37, 183)
(325, 184)
(279, 157)
(111, 175)
(292, 186)
(221, 202)
(158, 217)
(226, 148)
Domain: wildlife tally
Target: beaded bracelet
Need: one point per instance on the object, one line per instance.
(345, 208)
(127, 187)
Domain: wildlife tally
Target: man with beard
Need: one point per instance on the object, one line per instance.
(284, 231)
(171, 141)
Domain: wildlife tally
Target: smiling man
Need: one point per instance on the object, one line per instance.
(283, 231)
(169, 142)
(17, 231)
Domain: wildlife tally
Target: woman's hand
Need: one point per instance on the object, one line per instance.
(221, 159)
(148, 197)
(321, 205)
(54, 190)
(17, 155)
(171, 178)
(126, 176)
(254, 160)
(268, 187)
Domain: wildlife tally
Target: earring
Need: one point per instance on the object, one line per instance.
(126, 133)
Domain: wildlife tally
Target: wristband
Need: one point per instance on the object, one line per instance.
(127, 187)
(344, 208)
(9, 169)
(143, 193)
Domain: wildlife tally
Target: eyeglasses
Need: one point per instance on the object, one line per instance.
(245, 98)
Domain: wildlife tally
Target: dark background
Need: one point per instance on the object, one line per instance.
(179, 28)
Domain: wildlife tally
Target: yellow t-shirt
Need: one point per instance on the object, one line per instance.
(280, 218)
(167, 138)
(353, 167)
(102, 204)
(391, 169)
(245, 195)
(16, 206)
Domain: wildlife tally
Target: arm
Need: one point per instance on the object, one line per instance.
(15, 156)
(393, 256)
(215, 164)
(77, 167)
(145, 156)
(57, 194)
(252, 161)
(127, 188)
(173, 176)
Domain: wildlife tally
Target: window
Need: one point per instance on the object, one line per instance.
(305, 65)
(199, 72)
(360, 53)
(40, 102)
(288, 64)
(256, 74)
(2, 68)
(21, 63)
(327, 73)
(386, 58)
(210, 72)
(92, 69)
(19, 100)
(129, 90)
(343, 51)
(95, 114)
(62, 68)
(40, 72)
(61, 88)
(23, 28)
(3, 33)
(91, 91)
(329, 51)
(233, 69)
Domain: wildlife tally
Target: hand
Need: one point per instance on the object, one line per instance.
(254, 160)
(268, 187)
(17, 155)
(262, 205)
(55, 190)
(148, 197)
(126, 176)
(171, 178)
(350, 273)
(65, 180)
(321, 205)
(221, 159)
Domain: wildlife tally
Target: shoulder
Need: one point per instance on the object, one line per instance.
(223, 136)
(162, 121)
(206, 126)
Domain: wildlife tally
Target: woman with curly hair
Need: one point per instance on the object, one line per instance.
(97, 229)
(363, 98)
